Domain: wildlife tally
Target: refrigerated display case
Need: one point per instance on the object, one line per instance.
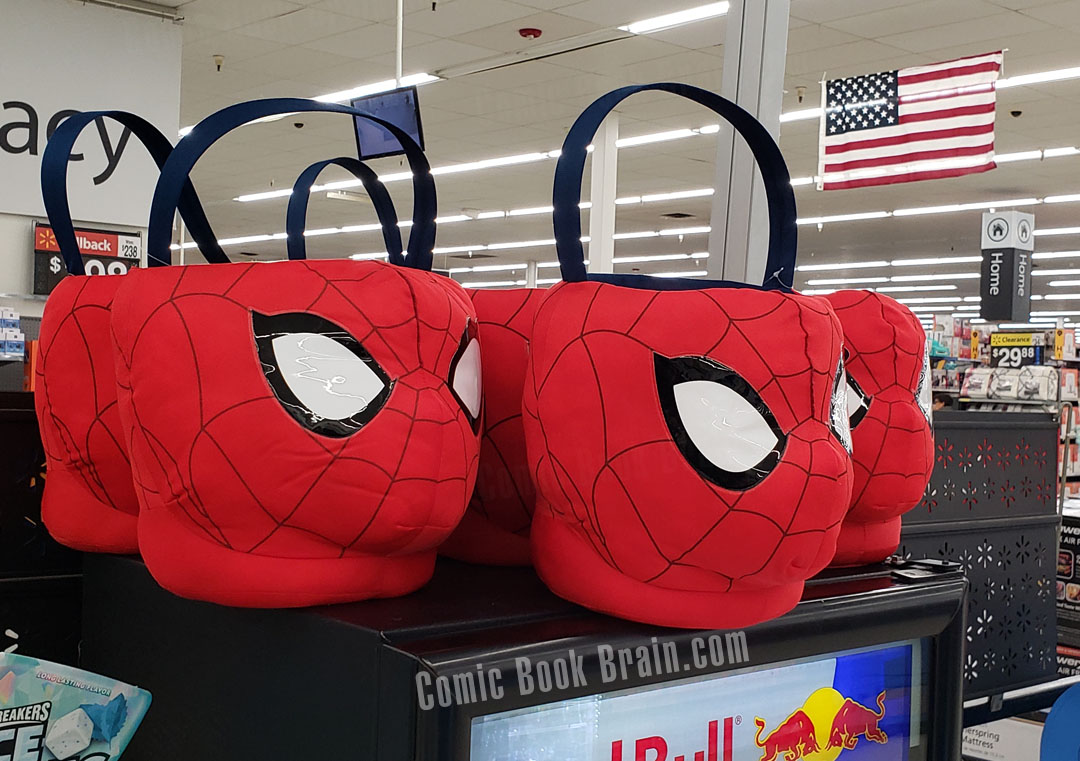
(486, 664)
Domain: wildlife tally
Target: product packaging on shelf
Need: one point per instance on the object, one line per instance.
(50, 712)
(1068, 565)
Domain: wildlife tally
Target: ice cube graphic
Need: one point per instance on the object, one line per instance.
(108, 719)
(70, 734)
(7, 687)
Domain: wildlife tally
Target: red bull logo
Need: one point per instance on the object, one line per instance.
(826, 725)
(718, 746)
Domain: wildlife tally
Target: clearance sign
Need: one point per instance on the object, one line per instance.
(104, 252)
(1016, 349)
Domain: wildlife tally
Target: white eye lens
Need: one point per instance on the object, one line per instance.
(324, 375)
(854, 401)
(925, 394)
(727, 429)
(466, 382)
(838, 412)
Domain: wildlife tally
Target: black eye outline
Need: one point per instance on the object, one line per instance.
(670, 372)
(864, 399)
(265, 328)
(472, 333)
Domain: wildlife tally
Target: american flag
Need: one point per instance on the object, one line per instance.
(919, 123)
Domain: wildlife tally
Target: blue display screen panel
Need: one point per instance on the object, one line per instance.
(399, 107)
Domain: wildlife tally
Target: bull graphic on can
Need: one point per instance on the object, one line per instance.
(826, 725)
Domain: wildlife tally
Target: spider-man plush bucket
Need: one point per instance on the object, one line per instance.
(889, 404)
(310, 429)
(90, 502)
(495, 528)
(687, 438)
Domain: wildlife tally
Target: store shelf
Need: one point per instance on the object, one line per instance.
(1027, 402)
(938, 358)
(11, 358)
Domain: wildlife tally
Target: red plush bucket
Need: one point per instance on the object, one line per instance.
(90, 502)
(890, 408)
(495, 528)
(309, 429)
(689, 439)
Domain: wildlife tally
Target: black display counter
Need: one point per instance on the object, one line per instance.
(367, 681)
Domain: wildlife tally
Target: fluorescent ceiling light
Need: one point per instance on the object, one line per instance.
(368, 257)
(639, 234)
(1038, 272)
(655, 137)
(847, 280)
(472, 166)
(687, 273)
(932, 300)
(1043, 76)
(1007, 158)
(797, 181)
(265, 195)
(1065, 313)
(1056, 255)
(843, 218)
(491, 215)
(936, 260)
(530, 211)
(376, 87)
(1053, 153)
(1062, 199)
(494, 283)
(839, 266)
(489, 268)
(654, 258)
(676, 195)
(973, 299)
(1061, 296)
(686, 230)
(967, 308)
(1063, 283)
(800, 115)
(1058, 231)
(520, 244)
(452, 218)
(918, 278)
(965, 207)
(911, 288)
(1020, 325)
(678, 18)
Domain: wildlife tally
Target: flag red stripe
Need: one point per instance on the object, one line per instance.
(937, 174)
(947, 113)
(978, 129)
(903, 158)
(956, 71)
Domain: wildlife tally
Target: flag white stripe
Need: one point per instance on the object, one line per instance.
(898, 130)
(973, 61)
(910, 167)
(958, 101)
(900, 149)
(944, 85)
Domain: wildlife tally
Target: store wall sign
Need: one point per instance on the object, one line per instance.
(111, 178)
(104, 252)
(1007, 243)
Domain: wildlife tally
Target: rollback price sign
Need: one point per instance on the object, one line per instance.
(104, 252)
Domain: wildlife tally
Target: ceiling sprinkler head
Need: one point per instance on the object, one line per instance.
(530, 33)
(219, 60)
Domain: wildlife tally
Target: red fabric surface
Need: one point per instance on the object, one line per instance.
(89, 502)
(624, 522)
(495, 529)
(893, 445)
(244, 505)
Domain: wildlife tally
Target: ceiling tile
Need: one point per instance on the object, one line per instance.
(367, 41)
(909, 18)
(607, 13)
(302, 25)
(440, 54)
(974, 30)
(461, 16)
(234, 13)
(504, 37)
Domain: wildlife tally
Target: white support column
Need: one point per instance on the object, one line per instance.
(602, 194)
(755, 53)
(530, 273)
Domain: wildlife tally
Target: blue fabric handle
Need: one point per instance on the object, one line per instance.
(188, 151)
(296, 218)
(54, 176)
(783, 232)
